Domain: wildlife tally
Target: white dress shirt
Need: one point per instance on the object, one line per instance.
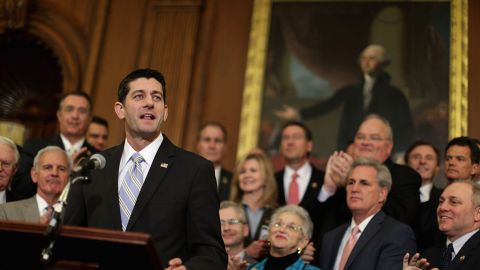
(346, 235)
(148, 153)
(304, 174)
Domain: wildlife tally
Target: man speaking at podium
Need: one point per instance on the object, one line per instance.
(150, 185)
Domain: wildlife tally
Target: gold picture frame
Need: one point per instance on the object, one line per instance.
(255, 73)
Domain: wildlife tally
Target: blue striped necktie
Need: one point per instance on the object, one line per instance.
(130, 188)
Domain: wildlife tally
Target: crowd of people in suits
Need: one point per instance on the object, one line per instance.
(363, 212)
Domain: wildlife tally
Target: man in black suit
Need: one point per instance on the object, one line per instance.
(150, 185)
(212, 144)
(374, 139)
(374, 94)
(74, 113)
(371, 240)
(424, 158)
(299, 182)
(458, 216)
(8, 166)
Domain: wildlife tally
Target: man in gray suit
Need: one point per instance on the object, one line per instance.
(9, 157)
(372, 240)
(50, 171)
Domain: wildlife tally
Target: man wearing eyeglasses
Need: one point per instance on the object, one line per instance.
(374, 139)
(371, 240)
(234, 228)
(8, 166)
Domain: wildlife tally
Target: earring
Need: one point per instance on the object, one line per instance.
(299, 250)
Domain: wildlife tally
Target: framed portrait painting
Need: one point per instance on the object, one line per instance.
(303, 55)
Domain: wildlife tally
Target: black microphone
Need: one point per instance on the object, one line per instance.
(95, 162)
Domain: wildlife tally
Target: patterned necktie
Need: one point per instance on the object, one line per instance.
(130, 189)
(349, 247)
(46, 215)
(447, 257)
(293, 190)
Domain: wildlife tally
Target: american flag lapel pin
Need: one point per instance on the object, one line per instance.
(164, 165)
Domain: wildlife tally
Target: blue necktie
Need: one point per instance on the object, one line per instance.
(130, 189)
(447, 256)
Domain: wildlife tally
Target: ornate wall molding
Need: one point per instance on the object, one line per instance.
(458, 118)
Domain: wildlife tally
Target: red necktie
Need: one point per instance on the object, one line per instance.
(293, 190)
(348, 247)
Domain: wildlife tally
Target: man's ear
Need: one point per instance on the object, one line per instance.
(33, 174)
(246, 230)
(383, 194)
(119, 110)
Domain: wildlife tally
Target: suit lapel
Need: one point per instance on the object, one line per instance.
(372, 228)
(313, 187)
(111, 175)
(31, 210)
(162, 162)
(57, 140)
(335, 248)
(281, 191)
(465, 252)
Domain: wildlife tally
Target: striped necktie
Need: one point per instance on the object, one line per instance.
(130, 189)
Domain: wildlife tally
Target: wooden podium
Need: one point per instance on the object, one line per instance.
(75, 248)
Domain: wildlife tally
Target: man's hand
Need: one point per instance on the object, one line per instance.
(338, 166)
(415, 263)
(308, 252)
(287, 113)
(176, 264)
(79, 156)
(234, 263)
(257, 249)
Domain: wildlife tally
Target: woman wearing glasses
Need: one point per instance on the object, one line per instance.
(255, 188)
(289, 233)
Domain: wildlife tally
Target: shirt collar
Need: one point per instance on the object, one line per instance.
(148, 153)
(425, 192)
(362, 224)
(69, 145)
(41, 203)
(458, 244)
(302, 171)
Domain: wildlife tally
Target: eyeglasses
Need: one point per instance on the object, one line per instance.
(373, 138)
(230, 222)
(291, 227)
(6, 165)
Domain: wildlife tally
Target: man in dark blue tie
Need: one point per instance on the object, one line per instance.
(458, 215)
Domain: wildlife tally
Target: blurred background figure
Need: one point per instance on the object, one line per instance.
(424, 158)
(255, 188)
(9, 157)
(462, 157)
(97, 133)
(73, 115)
(212, 145)
(290, 230)
(233, 221)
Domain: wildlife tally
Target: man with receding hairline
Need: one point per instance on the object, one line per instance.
(458, 216)
(73, 114)
(212, 144)
(8, 166)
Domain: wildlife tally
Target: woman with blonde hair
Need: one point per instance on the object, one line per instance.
(254, 186)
